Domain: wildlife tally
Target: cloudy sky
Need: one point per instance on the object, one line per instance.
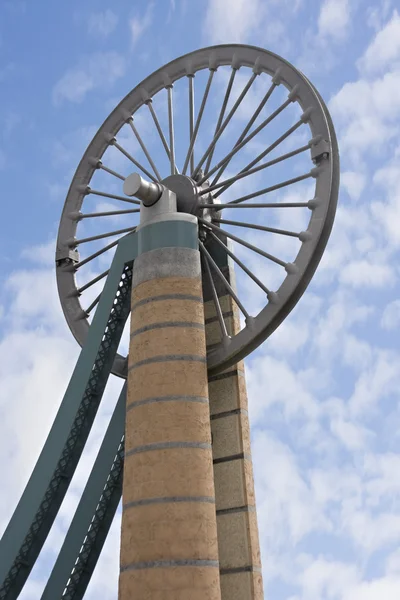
(324, 389)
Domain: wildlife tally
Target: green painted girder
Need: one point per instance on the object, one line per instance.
(42, 497)
(79, 554)
(89, 528)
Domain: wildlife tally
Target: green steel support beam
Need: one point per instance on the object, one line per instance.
(62, 577)
(80, 551)
(42, 497)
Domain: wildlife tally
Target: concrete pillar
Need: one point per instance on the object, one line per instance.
(238, 540)
(169, 548)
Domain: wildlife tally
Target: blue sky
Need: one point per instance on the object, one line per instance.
(324, 389)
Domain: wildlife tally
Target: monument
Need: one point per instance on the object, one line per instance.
(177, 447)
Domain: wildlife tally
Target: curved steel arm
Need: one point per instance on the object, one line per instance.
(48, 484)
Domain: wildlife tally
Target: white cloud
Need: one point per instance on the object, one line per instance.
(371, 532)
(366, 113)
(138, 25)
(359, 500)
(381, 484)
(99, 70)
(290, 337)
(341, 314)
(387, 211)
(387, 588)
(354, 183)
(356, 353)
(326, 579)
(68, 149)
(29, 298)
(102, 24)
(393, 563)
(388, 176)
(35, 347)
(349, 432)
(335, 485)
(363, 273)
(227, 21)
(352, 436)
(334, 19)
(251, 21)
(384, 50)
(379, 381)
(391, 315)
(29, 359)
(322, 578)
(287, 508)
(377, 14)
(285, 389)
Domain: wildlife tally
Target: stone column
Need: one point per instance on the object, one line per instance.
(169, 548)
(238, 541)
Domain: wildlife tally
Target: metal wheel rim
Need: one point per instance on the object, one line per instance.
(322, 213)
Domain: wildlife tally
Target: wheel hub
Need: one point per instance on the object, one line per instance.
(186, 190)
(189, 198)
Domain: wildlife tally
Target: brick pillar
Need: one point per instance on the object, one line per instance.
(169, 548)
(238, 541)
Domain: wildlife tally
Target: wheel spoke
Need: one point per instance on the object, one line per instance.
(110, 171)
(143, 147)
(109, 213)
(235, 238)
(221, 115)
(225, 123)
(171, 129)
(191, 115)
(225, 282)
(269, 150)
(103, 235)
(93, 281)
(198, 121)
(248, 205)
(217, 304)
(257, 112)
(239, 262)
(158, 127)
(272, 188)
(259, 227)
(245, 172)
(88, 190)
(94, 303)
(96, 254)
(249, 124)
(239, 146)
(135, 162)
